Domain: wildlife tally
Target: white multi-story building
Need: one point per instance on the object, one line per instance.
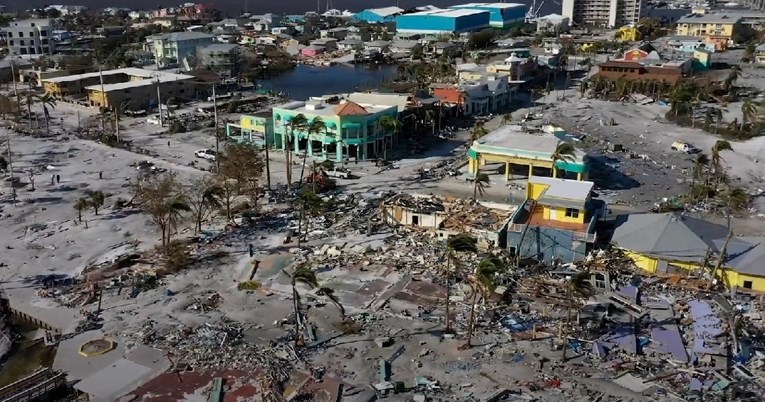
(604, 13)
(30, 38)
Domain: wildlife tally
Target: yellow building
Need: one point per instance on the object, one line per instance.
(716, 28)
(557, 221)
(528, 152)
(628, 33)
(113, 87)
(669, 243)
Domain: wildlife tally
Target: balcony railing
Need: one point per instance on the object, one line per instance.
(585, 237)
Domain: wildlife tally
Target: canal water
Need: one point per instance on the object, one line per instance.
(305, 81)
(27, 356)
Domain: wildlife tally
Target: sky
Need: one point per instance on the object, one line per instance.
(257, 6)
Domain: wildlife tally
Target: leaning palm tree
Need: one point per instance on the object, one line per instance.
(329, 293)
(303, 275)
(736, 199)
(479, 130)
(748, 113)
(483, 283)
(315, 127)
(173, 210)
(47, 101)
(479, 185)
(577, 287)
(461, 243)
(717, 160)
(389, 125)
(298, 123)
(564, 152)
(699, 164)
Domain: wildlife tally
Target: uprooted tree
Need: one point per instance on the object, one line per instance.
(161, 197)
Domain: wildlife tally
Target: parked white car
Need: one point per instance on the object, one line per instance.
(339, 173)
(208, 154)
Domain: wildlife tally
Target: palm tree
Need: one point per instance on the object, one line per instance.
(389, 125)
(584, 86)
(118, 111)
(484, 283)
(298, 122)
(736, 198)
(748, 112)
(479, 185)
(315, 127)
(716, 160)
(730, 81)
(564, 152)
(47, 101)
(172, 211)
(461, 243)
(507, 118)
(430, 118)
(718, 113)
(303, 275)
(329, 293)
(699, 164)
(80, 205)
(97, 199)
(578, 286)
(479, 130)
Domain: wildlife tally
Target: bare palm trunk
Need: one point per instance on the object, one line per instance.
(268, 166)
(298, 319)
(448, 291)
(288, 158)
(471, 323)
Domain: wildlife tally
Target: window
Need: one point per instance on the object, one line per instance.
(31, 34)
(43, 33)
(23, 50)
(747, 284)
(10, 34)
(10, 43)
(21, 34)
(572, 212)
(44, 41)
(416, 221)
(22, 43)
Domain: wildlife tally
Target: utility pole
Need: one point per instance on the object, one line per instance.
(217, 139)
(103, 99)
(16, 89)
(10, 165)
(159, 105)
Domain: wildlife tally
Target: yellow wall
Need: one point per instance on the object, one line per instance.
(535, 190)
(698, 29)
(559, 214)
(729, 277)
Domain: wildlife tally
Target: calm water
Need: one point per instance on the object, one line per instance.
(306, 81)
(232, 7)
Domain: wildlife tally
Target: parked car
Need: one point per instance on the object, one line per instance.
(208, 154)
(684, 147)
(339, 173)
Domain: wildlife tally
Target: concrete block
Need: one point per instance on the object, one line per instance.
(383, 341)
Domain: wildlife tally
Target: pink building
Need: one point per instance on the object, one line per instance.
(312, 51)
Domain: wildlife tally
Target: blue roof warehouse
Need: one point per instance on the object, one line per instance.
(438, 22)
(501, 15)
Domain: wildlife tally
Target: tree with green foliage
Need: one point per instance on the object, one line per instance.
(481, 39)
(389, 125)
(478, 131)
(460, 243)
(161, 197)
(97, 199)
(748, 113)
(80, 205)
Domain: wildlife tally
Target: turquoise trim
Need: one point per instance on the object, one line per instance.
(571, 167)
(472, 154)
